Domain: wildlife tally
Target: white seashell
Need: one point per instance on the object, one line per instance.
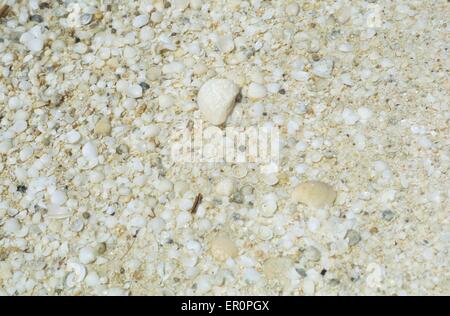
(76, 276)
(256, 91)
(57, 212)
(239, 171)
(87, 255)
(314, 194)
(265, 233)
(269, 205)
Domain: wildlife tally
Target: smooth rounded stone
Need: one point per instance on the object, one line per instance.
(58, 198)
(164, 185)
(225, 187)
(87, 255)
(35, 44)
(277, 268)
(73, 137)
(216, 99)
(147, 33)
(156, 17)
(134, 91)
(140, 20)
(11, 226)
(256, 91)
(292, 9)
(89, 151)
(353, 237)
(103, 127)
(19, 126)
(92, 279)
(315, 194)
(223, 248)
(225, 44)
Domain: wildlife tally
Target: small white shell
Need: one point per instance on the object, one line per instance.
(57, 212)
(269, 205)
(77, 275)
(265, 233)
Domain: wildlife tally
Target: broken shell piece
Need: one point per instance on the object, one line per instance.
(277, 268)
(314, 194)
(103, 127)
(57, 212)
(216, 100)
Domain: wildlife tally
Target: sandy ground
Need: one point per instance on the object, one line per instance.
(94, 95)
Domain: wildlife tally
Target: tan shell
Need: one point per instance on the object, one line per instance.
(314, 194)
(103, 127)
(223, 248)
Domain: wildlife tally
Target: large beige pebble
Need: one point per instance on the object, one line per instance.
(314, 194)
(216, 99)
(277, 268)
(223, 248)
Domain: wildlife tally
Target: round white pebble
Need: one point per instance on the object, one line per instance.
(140, 20)
(256, 91)
(134, 91)
(225, 187)
(35, 44)
(292, 9)
(90, 151)
(11, 226)
(73, 137)
(87, 255)
(58, 198)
